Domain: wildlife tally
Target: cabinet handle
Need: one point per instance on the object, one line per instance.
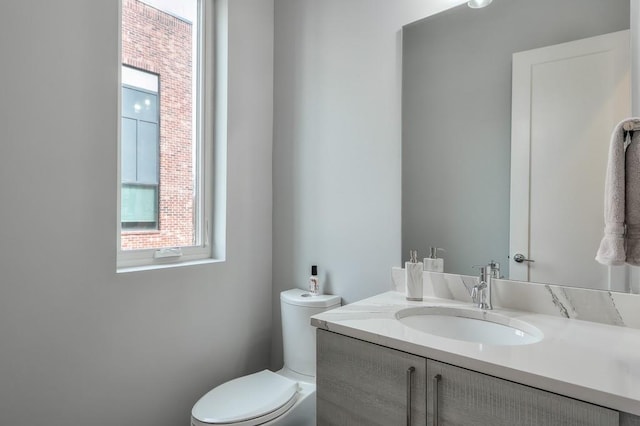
(410, 371)
(436, 381)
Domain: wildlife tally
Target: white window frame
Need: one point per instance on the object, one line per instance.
(207, 180)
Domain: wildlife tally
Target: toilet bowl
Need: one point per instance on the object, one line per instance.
(283, 398)
(264, 398)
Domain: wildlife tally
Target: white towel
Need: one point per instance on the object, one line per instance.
(621, 241)
(632, 204)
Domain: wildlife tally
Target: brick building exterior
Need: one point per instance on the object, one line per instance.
(160, 43)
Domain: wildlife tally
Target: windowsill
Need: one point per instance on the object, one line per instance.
(167, 265)
(141, 232)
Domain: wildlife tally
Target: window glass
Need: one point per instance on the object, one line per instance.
(147, 152)
(139, 206)
(161, 194)
(128, 149)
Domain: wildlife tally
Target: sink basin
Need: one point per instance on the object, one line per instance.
(470, 325)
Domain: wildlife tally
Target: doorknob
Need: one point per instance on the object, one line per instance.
(519, 257)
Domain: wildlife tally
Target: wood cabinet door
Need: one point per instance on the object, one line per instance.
(360, 383)
(466, 398)
(627, 419)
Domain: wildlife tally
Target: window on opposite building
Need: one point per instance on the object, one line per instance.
(139, 147)
(164, 169)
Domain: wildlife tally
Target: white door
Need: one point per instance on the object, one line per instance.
(566, 100)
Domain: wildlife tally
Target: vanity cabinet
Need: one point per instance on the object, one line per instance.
(460, 397)
(627, 419)
(360, 383)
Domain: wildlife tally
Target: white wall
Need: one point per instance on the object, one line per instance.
(635, 56)
(337, 150)
(80, 344)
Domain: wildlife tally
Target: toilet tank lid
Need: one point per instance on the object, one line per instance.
(300, 297)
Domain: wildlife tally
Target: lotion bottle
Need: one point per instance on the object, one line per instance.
(314, 282)
(413, 276)
(433, 263)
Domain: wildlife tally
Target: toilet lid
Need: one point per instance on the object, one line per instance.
(246, 398)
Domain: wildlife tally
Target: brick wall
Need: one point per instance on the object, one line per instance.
(157, 42)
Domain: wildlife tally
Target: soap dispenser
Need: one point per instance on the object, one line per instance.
(413, 276)
(314, 282)
(433, 263)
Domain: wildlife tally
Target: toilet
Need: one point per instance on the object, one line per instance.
(284, 398)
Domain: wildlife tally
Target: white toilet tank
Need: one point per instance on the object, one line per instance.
(298, 336)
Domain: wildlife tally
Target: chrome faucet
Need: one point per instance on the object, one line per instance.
(481, 292)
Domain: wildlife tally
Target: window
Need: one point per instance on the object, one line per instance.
(165, 172)
(140, 143)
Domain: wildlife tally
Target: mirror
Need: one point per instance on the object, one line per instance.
(456, 127)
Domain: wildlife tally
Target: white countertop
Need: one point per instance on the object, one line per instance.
(593, 362)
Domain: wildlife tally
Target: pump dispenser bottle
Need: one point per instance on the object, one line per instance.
(413, 276)
(314, 282)
(433, 263)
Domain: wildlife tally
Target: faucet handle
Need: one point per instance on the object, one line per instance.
(483, 271)
(480, 267)
(474, 294)
(483, 288)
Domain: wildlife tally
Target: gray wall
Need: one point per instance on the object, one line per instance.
(456, 121)
(337, 144)
(79, 344)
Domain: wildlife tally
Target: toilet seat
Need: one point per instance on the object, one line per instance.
(247, 401)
